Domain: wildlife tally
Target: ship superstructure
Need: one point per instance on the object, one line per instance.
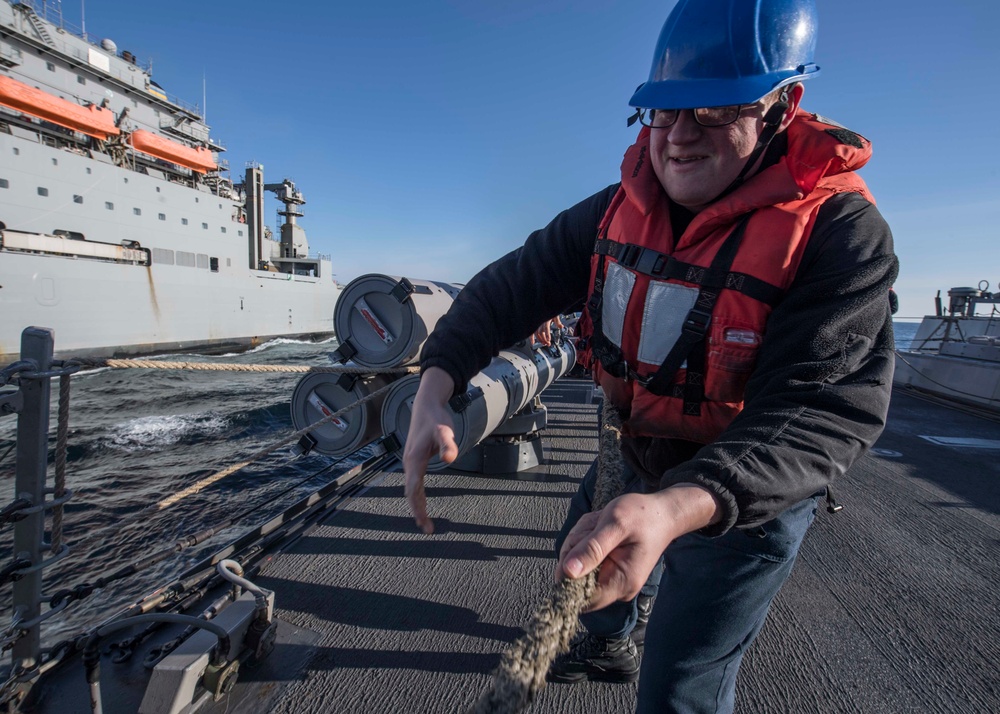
(955, 354)
(119, 225)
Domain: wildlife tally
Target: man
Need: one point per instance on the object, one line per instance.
(735, 284)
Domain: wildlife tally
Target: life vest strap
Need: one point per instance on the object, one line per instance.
(647, 261)
(690, 345)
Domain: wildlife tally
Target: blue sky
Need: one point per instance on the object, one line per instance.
(431, 137)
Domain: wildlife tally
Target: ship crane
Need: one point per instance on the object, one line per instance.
(293, 238)
(293, 254)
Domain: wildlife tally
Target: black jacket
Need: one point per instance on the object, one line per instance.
(818, 395)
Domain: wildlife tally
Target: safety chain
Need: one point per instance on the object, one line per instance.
(13, 633)
(22, 626)
(22, 674)
(8, 372)
(8, 690)
(10, 573)
(28, 369)
(14, 511)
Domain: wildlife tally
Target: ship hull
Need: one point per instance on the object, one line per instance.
(957, 358)
(102, 309)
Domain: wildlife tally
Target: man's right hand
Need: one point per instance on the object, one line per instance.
(432, 432)
(544, 332)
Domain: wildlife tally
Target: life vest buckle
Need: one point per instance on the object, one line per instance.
(696, 323)
(630, 255)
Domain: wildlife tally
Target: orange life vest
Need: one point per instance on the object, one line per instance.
(677, 324)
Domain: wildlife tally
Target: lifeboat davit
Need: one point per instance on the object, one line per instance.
(197, 159)
(90, 120)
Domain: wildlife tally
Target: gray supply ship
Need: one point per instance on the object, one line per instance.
(120, 227)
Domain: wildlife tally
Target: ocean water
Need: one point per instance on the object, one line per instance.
(139, 436)
(904, 331)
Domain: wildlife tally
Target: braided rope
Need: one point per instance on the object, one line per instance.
(522, 670)
(233, 367)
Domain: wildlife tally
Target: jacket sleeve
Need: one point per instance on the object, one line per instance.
(819, 395)
(508, 300)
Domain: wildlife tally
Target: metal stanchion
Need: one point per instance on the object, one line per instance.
(30, 469)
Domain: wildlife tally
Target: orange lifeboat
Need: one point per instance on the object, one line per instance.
(197, 159)
(91, 120)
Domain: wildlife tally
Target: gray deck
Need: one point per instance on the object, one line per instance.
(892, 607)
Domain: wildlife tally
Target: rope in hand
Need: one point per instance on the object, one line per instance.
(522, 670)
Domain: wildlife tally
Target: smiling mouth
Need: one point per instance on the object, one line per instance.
(686, 159)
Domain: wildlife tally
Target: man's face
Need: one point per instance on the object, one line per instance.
(696, 163)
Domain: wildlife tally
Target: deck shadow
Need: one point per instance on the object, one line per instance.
(333, 658)
(427, 549)
(374, 610)
(442, 526)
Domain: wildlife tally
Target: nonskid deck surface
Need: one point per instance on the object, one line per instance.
(892, 606)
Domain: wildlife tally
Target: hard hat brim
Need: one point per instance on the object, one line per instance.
(693, 93)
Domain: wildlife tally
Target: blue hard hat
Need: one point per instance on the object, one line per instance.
(714, 53)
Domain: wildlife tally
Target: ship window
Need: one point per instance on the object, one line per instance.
(126, 179)
(4, 183)
(203, 261)
(51, 66)
(229, 262)
(213, 263)
(137, 211)
(42, 191)
(184, 221)
(88, 169)
(108, 205)
(157, 189)
(55, 162)
(223, 229)
(77, 198)
(80, 79)
(162, 216)
(205, 226)
(163, 256)
(186, 259)
(16, 151)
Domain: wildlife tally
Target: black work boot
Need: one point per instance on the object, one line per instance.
(644, 604)
(598, 659)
